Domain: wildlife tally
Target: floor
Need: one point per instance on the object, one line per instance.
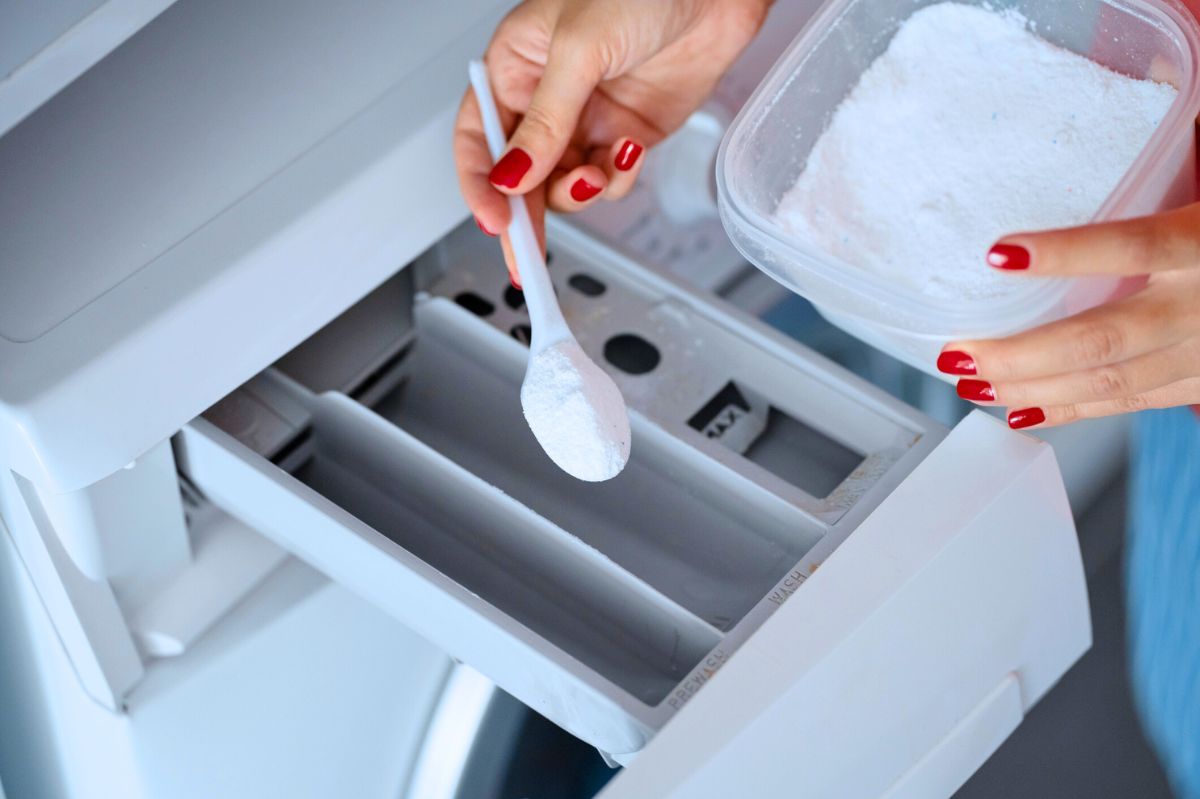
(1083, 739)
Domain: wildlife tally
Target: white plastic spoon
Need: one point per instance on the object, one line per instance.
(575, 410)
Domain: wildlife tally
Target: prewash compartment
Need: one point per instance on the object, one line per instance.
(531, 570)
(696, 533)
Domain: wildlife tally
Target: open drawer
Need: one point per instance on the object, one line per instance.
(390, 453)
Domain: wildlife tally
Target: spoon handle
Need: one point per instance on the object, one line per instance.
(545, 317)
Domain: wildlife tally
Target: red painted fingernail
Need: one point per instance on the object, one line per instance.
(628, 155)
(484, 228)
(956, 362)
(515, 283)
(976, 390)
(1026, 417)
(1011, 257)
(582, 191)
(509, 170)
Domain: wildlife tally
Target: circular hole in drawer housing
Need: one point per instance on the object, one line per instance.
(587, 285)
(631, 353)
(475, 304)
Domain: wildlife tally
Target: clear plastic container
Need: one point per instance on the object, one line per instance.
(767, 148)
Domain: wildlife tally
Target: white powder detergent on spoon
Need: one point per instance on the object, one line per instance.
(967, 128)
(576, 413)
(575, 410)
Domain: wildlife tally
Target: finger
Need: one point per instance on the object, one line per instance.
(510, 262)
(473, 162)
(622, 163)
(576, 189)
(1183, 392)
(573, 69)
(535, 201)
(1157, 243)
(619, 164)
(1135, 376)
(1144, 322)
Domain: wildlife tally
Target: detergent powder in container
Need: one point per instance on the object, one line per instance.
(896, 141)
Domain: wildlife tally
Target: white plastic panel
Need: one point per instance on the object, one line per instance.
(198, 109)
(46, 45)
(226, 160)
(30, 27)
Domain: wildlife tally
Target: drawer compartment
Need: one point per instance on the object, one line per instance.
(390, 452)
(590, 602)
(526, 567)
(549, 618)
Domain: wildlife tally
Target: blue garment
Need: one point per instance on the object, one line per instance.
(1164, 589)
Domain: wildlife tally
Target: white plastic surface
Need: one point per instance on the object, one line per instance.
(229, 560)
(88, 622)
(230, 159)
(966, 747)
(46, 45)
(302, 691)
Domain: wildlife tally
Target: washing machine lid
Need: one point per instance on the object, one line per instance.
(209, 194)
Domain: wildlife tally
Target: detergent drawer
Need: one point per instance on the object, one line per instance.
(390, 453)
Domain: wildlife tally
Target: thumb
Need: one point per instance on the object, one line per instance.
(571, 75)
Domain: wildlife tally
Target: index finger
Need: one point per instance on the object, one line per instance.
(1158, 243)
(1103, 335)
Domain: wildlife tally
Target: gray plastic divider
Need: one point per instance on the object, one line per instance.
(547, 580)
(700, 534)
